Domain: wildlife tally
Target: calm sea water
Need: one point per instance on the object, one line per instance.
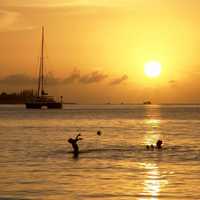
(36, 160)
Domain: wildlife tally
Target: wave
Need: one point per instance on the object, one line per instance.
(167, 154)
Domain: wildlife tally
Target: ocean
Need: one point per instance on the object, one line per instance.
(36, 160)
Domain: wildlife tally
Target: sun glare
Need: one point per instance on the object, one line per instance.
(152, 69)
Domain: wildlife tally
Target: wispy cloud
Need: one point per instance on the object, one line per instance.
(17, 79)
(12, 21)
(119, 80)
(50, 79)
(23, 79)
(90, 78)
(93, 77)
(75, 75)
(8, 18)
(173, 83)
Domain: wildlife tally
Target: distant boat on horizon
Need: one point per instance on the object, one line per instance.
(147, 103)
(43, 99)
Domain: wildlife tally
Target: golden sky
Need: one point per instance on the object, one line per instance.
(96, 49)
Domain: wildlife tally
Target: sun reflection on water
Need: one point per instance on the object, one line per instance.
(153, 182)
(152, 133)
(153, 122)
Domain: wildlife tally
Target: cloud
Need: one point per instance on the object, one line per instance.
(8, 18)
(93, 77)
(75, 75)
(172, 82)
(12, 21)
(50, 79)
(90, 78)
(119, 80)
(23, 79)
(17, 79)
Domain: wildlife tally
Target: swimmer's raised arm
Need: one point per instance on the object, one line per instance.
(78, 137)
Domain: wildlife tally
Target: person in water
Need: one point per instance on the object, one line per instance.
(158, 145)
(99, 133)
(74, 144)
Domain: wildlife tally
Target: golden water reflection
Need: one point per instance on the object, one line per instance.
(152, 132)
(153, 182)
(151, 185)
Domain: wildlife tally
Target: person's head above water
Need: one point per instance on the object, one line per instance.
(70, 140)
(77, 138)
(74, 143)
(99, 133)
(159, 144)
(150, 147)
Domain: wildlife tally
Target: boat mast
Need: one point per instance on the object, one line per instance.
(41, 70)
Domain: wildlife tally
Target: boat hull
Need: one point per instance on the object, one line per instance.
(51, 105)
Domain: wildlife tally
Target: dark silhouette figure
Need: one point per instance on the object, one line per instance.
(159, 144)
(74, 144)
(152, 147)
(99, 133)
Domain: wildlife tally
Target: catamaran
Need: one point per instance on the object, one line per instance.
(43, 99)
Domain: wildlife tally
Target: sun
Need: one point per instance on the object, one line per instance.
(152, 69)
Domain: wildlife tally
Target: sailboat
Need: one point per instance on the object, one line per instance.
(43, 99)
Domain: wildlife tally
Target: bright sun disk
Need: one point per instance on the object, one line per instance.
(152, 69)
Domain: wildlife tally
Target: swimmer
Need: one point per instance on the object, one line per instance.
(159, 144)
(147, 147)
(150, 147)
(99, 133)
(74, 144)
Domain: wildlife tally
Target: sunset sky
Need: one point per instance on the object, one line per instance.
(96, 49)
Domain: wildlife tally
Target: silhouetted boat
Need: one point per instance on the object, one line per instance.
(42, 99)
(147, 103)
